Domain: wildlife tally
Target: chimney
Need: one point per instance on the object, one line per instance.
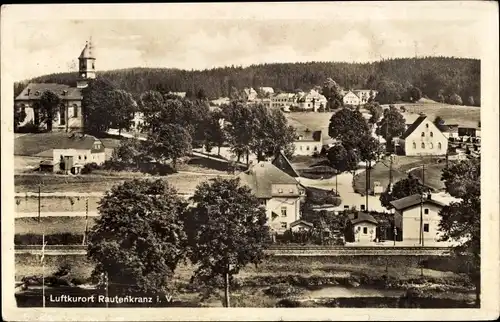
(355, 215)
(28, 92)
(362, 207)
(429, 196)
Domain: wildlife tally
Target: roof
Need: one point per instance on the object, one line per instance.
(282, 163)
(413, 200)
(301, 221)
(87, 51)
(414, 126)
(263, 175)
(36, 90)
(77, 141)
(362, 217)
(308, 135)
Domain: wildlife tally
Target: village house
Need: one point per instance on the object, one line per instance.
(351, 99)
(313, 100)
(300, 226)
(283, 101)
(69, 115)
(308, 142)
(450, 130)
(220, 101)
(408, 214)
(180, 94)
(280, 193)
(364, 94)
(423, 138)
(250, 94)
(72, 152)
(269, 91)
(364, 227)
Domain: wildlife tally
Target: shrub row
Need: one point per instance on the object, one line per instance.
(51, 239)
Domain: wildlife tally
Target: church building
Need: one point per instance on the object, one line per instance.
(69, 115)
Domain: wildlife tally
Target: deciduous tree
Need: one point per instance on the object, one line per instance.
(348, 126)
(121, 108)
(403, 188)
(342, 159)
(139, 237)
(331, 90)
(392, 125)
(169, 141)
(95, 105)
(48, 106)
(226, 231)
(461, 221)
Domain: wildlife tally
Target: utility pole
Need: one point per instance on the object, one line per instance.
(421, 208)
(366, 187)
(390, 169)
(86, 221)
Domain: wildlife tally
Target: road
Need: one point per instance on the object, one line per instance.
(58, 250)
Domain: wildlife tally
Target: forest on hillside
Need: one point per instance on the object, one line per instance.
(436, 77)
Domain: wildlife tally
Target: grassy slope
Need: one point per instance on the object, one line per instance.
(380, 172)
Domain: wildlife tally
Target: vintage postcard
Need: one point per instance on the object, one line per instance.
(250, 161)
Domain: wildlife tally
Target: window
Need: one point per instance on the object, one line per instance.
(439, 145)
(423, 134)
(426, 211)
(432, 134)
(423, 145)
(280, 190)
(426, 228)
(315, 148)
(291, 190)
(431, 146)
(307, 148)
(365, 230)
(75, 110)
(85, 157)
(79, 157)
(300, 147)
(283, 225)
(427, 126)
(283, 211)
(263, 202)
(414, 145)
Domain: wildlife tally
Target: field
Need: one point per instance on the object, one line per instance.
(183, 182)
(51, 225)
(402, 164)
(467, 116)
(56, 204)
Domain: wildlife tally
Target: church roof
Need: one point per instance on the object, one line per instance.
(87, 51)
(34, 91)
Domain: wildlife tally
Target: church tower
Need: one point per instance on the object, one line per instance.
(86, 66)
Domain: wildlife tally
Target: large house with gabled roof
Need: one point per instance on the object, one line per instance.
(279, 192)
(423, 137)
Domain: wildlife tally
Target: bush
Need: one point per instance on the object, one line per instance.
(283, 290)
(89, 167)
(288, 303)
(52, 239)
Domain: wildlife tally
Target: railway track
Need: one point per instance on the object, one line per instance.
(273, 251)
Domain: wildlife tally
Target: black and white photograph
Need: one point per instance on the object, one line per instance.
(250, 155)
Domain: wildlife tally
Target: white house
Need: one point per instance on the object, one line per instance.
(351, 99)
(364, 94)
(267, 90)
(364, 227)
(408, 218)
(307, 142)
(423, 138)
(250, 93)
(301, 225)
(283, 101)
(313, 100)
(76, 150)
(280, 193)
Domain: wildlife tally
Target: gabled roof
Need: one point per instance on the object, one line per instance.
(414, 126)
(36, 90)
(362, 217)
(77, 141)
(308, 135)
(301, 221)
(282, 163)
(413, 200)
(261, 177)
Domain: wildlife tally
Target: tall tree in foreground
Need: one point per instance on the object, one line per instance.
(403, 188)
(392, 125)
(95, 105)
(214, 133)
(48, 105)
(169, 141)
(342, 159)
(19, 116)
(139, 238)
(348, 126)
(331, 90)
(226, 231)
(122, 107)
(461, 221)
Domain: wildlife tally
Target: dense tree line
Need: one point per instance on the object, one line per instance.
(438, 78)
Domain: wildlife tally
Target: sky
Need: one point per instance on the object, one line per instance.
(50, 44)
